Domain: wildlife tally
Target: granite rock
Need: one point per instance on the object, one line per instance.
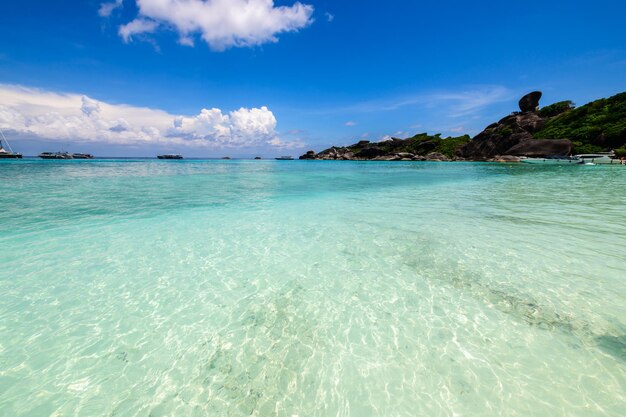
(530, 102)
(541, 147)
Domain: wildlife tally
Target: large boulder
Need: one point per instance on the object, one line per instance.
(488, 144)
(537, 148)
(436, 156)
(501, 136)
(530, 122)
(330, 153)
(530, 102)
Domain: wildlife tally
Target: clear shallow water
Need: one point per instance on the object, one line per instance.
(236, 288)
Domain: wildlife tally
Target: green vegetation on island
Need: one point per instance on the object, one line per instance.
(594, 127)
(556, 108)
(423, 143)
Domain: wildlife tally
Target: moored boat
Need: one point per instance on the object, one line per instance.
(4, 154)
(55, 155)
(554, 160)
(170, 156)
(82, 156)
(599, 158)
(580, 159)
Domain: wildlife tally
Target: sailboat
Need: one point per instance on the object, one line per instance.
(4, 154)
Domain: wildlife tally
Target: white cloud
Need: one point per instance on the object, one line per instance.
(221, 23)
(186, 40)
(239, 128)
(350, 123)
(73, 117)
(106, 9)
(329, 17)
(137, 26)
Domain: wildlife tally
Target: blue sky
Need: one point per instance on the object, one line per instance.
(282, 77)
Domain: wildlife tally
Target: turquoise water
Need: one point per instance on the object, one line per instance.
(266, 288)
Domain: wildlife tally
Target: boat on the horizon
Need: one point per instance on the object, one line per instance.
(284, 158)
(82, 156)
(170, 156)
(55, 155)
(4, 154)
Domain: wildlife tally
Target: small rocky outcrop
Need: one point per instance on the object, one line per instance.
(308, 155)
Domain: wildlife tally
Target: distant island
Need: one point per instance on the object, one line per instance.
(557, 129)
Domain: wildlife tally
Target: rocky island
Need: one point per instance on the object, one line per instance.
(557, 129)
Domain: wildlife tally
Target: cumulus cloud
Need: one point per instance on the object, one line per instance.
(106, 9)
(72, 117)
(329, 17)
(220, 23)
(236, 129)
(350, 123)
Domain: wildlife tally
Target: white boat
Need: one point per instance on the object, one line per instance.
(599, 158)
(580, 159)
(55, 155)
(82, 156)
(554, 160)
(4, 154)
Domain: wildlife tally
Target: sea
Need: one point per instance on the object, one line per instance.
(311, 288)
